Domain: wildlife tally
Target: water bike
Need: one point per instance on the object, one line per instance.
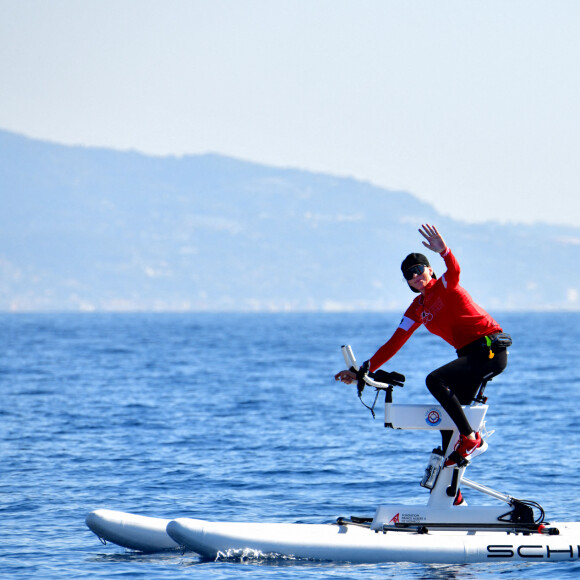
(437, 532)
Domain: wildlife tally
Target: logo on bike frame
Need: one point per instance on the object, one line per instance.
(433, 417)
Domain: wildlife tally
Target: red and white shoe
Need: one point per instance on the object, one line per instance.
(459, 499)
(465, 450)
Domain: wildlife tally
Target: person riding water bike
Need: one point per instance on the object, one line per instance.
(447, 310)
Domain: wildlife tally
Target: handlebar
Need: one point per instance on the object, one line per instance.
(378, 379)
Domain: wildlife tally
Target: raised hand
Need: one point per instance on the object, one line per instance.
(434, 240)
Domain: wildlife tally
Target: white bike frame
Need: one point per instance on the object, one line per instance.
(439, 509)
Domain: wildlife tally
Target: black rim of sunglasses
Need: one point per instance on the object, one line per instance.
(416, 269)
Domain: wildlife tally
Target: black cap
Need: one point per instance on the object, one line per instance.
(413, 260)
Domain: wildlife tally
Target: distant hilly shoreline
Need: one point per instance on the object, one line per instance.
(91, 229)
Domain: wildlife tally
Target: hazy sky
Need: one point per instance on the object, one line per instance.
(472, 106)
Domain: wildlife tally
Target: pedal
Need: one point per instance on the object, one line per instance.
(457, 460)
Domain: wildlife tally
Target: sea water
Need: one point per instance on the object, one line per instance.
(238, 417)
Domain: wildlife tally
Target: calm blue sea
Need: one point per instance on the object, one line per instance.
(237, 417)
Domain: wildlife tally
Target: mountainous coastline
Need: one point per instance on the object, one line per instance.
(89, 229)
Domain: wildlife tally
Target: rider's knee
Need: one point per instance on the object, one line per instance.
(434, 383)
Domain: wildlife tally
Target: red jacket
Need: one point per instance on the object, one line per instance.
(446, 310)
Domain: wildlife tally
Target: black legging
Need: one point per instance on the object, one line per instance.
(457, 383)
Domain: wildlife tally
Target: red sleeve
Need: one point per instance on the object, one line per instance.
(404, 331)
(451, 276)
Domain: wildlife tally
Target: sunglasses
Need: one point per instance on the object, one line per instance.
(410, 272)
